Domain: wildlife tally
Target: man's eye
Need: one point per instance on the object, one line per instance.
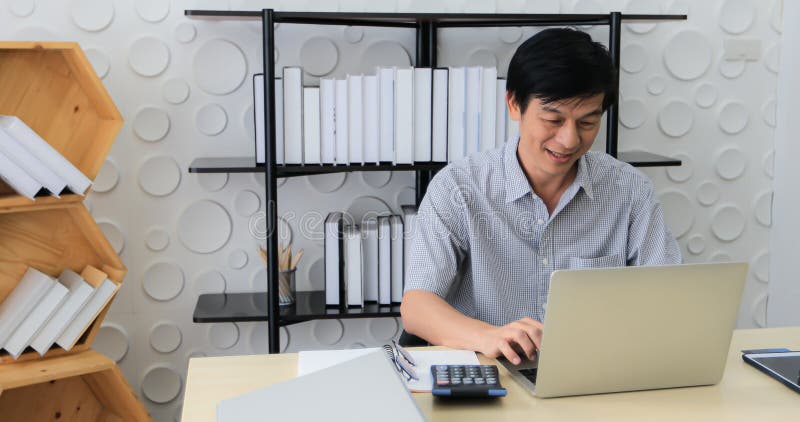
(588, 125)
(553, 122)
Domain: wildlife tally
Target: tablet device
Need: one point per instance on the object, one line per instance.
(783, 366)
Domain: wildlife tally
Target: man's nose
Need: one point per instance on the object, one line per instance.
(568, 136)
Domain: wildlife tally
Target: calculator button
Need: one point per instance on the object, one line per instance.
(466, 380)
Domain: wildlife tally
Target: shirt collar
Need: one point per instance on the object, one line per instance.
(583, 179)
(517, 184)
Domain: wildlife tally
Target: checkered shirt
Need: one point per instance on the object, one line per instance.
(485, 242)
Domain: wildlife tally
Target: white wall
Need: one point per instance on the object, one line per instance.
(784, 289)
(184, 89)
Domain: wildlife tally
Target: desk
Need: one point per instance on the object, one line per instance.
(745, 394)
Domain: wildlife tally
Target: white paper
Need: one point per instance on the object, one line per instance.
(311, 361)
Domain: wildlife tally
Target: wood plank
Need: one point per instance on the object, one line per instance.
(43, 370)
(11, 202)
(52, 240)
(68, 399)
(32, 355)
(107, 416)
(111, 388)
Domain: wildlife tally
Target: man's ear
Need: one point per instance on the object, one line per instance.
(513, 107)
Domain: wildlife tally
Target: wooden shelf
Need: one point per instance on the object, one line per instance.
(60, 236)
(86, 386)
(234, 307)
(54, 89)
(16, 203)
(44, 370)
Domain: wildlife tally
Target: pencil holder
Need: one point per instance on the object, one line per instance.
(286, 286)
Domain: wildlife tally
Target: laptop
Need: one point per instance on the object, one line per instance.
(634, 328)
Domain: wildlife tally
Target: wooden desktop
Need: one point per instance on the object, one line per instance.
(744, 394)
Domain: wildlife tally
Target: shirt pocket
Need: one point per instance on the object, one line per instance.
(616, 260)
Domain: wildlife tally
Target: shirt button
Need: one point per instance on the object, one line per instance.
(539, 221)
(544, 261)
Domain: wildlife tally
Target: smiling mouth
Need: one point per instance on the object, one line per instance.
(558, 157)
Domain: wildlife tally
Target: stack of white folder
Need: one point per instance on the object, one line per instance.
(42, 311)
(396, 116)
(365, 263)
(28, 163)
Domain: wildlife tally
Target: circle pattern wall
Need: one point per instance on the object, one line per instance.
(184, 88)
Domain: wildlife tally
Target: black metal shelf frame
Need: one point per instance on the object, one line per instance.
(426, 26)
(248, 165)
(235, 307)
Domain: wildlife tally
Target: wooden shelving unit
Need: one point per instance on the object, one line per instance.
(86, 386)
(53, 88)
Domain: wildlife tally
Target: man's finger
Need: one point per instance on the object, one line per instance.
(525, 342)
(509, 353)
(534, 329)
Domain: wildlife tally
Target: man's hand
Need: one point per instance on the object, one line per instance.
(430, 317)
(515, 340)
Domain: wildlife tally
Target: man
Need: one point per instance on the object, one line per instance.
(492, 227)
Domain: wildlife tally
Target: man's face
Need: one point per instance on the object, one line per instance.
(555, 135)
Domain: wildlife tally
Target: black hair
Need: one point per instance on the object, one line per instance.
(558, 64)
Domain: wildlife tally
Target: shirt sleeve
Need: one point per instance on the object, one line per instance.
(649, 240)
(438, 243)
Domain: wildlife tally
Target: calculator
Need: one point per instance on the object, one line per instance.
(466, 381)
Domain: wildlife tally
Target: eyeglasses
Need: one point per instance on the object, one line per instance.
(403, 361)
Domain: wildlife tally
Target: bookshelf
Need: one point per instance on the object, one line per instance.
(222, 307)
(53, 88)
(86, 386)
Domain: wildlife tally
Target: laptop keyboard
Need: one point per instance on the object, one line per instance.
(530, 374)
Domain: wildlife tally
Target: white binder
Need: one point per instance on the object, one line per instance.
(367, 388)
